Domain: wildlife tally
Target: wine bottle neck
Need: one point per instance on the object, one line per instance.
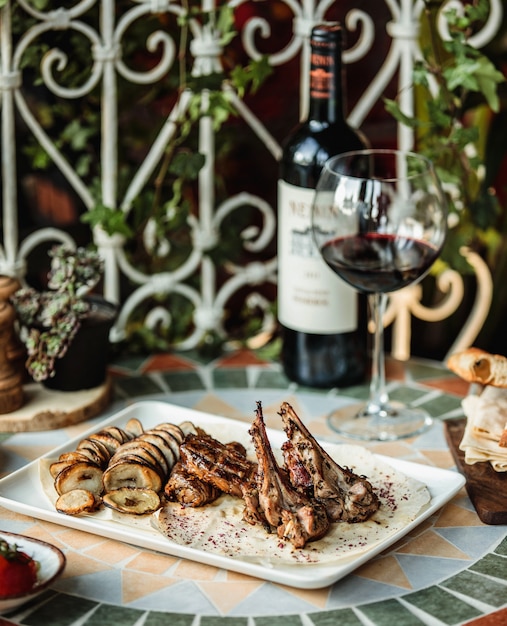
(326, 84)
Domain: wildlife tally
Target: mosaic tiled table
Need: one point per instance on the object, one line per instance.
(452, 569)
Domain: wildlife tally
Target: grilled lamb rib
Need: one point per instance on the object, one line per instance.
(276, 503)
(187, 489)
(224, 466)
(346, 496)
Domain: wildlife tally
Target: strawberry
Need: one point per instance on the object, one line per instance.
(18, 571)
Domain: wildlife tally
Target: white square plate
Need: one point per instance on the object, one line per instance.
(22, 492)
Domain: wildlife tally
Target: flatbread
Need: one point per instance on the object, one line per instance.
(489, 412)
(219, 527)
(485, 427)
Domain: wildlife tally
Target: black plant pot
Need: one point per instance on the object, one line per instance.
(84, 365)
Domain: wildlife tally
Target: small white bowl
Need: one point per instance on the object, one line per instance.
(51, 564)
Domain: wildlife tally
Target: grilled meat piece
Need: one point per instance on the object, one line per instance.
(223, 466)
(187, 489)
(298, 474)
(237, 447)
(345, 495)
(295, 517)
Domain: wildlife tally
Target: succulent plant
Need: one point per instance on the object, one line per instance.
(49, 320)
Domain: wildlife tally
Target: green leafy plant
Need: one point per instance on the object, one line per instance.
(112, 221)
(49, 320)
(453, 82)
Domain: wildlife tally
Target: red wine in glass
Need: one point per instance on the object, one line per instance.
(374, 262)
(379, 220)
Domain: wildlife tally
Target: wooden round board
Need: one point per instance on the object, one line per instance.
(45, 409)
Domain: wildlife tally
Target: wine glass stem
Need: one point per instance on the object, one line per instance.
(378, 395)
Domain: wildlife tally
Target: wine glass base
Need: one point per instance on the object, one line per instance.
(386, 424)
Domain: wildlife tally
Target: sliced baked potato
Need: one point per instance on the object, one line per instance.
(77, 502)
(132, 500)
(80, 475)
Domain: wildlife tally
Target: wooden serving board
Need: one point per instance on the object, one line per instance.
(45, 409)
(486, 488)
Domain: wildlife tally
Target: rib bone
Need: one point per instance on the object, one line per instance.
(295, 517)
(345, 495)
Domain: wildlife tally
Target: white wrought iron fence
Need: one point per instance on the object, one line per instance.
(108, 66)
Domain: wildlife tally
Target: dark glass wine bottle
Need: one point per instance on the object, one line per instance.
(323, 341)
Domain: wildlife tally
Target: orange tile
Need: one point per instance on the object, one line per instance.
(195, 571)
(318, 427)
(210, 403)
(79, 565)
(152, 563)
(317, 597)
(454, 515)
(238, 577)
(112, 551)
(453, 385)
(385, 570)
(440, 458)
(395, 370)
(240, 358)
(431, 544)
(395, 449)
(79, 540)
(236, 593)
(12, 515)
(167, 362)
(421, 528)
(135, 586)
(55, 529)
(37, 531)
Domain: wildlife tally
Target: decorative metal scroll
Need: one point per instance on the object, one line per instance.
(108, 66)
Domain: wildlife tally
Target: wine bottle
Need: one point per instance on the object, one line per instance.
(323, 343)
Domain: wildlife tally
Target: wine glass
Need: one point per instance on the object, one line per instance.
(379, 221)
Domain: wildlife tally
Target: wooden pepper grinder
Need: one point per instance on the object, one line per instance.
(11, 370)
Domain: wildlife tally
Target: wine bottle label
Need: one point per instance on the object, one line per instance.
(311, 298)
(322, 72)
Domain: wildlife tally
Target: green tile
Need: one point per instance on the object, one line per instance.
(137, 386)
(278, 620)
(156, 618)
(389, 613)
(230, 377)
(441, 405)
(269, 379)
(223, 621)
(442, 605)
(38, 600)
(406, 395)
(420, 371)
(197, 356)
(183, 381)
(491, 565)
(502, 547)
(359, 392)
(338, 617)
(131, 362)
(61, 611)
(117, 615)
(478, 587)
